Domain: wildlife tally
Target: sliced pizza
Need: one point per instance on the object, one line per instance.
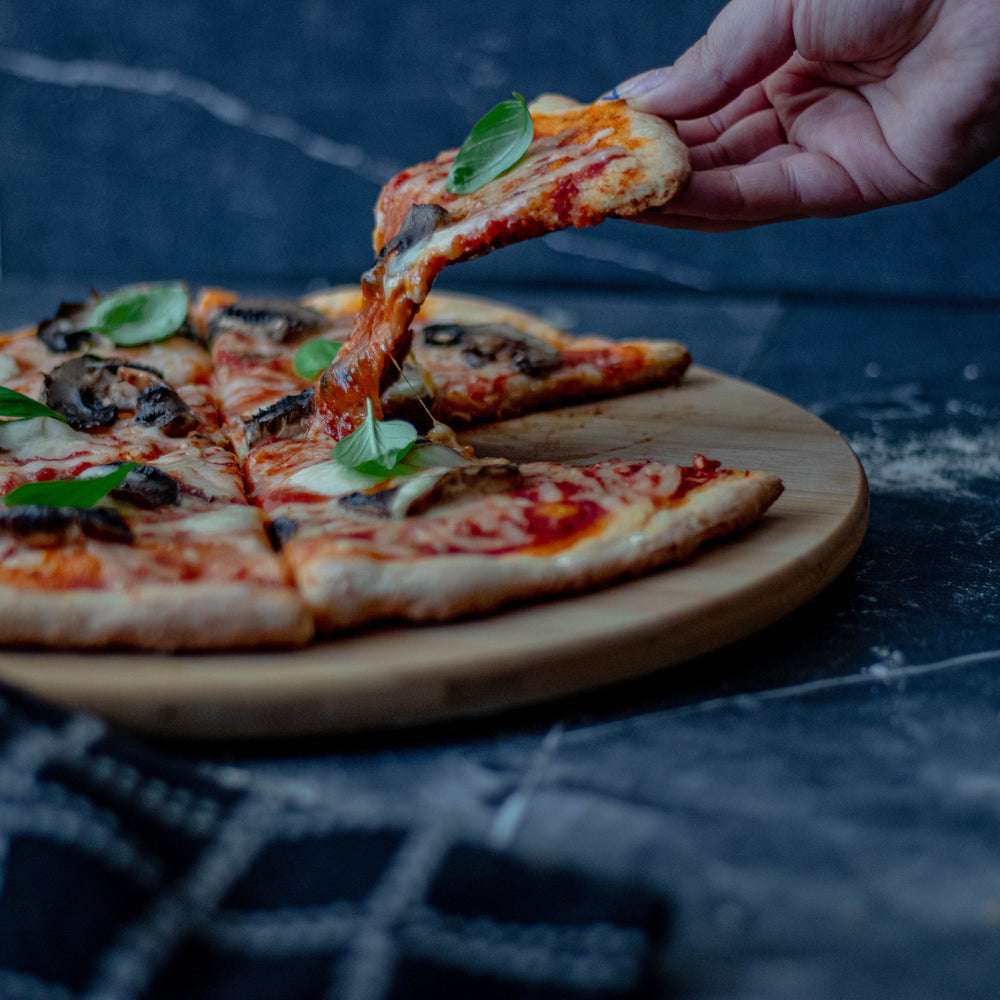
(170, 557)
(585, 162)
(472, 360)
(451, 541)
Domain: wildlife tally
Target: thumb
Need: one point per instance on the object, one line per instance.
(747, 40)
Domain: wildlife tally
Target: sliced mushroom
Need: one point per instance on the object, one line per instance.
(286, 418)
(89, 391)
(145, 486)
(280, 320)
(484, 343)
(47, 527)
(281, 529)
(418, 493)
(420, 222)
(160, 406)
(66, 331)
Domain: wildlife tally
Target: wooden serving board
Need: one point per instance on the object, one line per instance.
(396, 676)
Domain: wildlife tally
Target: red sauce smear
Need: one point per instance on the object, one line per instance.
(702, 470)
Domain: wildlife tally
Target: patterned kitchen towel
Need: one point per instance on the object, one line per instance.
(126, 872)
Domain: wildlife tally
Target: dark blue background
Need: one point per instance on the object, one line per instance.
(248, 141)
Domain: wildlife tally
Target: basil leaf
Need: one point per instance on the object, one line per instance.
(80, 493)
(376, 446)
(21, 407)
(141, 314)
(497, 141)
(428, 455)
(315, 356)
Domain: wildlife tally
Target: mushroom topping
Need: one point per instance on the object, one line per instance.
(160, 406)
(89, 391)
(281, 529)
(66, 331)
(418, 493)
(420, 222)
(484, 343)
(145, 486)
(286, 418)
(280, 320)
(47, 527)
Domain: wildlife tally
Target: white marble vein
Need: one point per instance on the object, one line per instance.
(608, 251)
(890, 668)
(513, 808)
(171, 85)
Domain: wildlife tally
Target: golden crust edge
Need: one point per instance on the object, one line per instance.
(453, 587)
(166, 618)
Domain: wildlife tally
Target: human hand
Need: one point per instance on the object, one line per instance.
(796, 108)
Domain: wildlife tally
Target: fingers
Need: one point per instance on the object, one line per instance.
(728, 140)
(747, 41)
(699, 131)
(785, 184)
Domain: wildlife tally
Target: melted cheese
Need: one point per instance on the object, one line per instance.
(41, 438)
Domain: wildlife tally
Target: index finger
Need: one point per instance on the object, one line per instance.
(747, 40)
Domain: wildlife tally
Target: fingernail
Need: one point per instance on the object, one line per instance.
(641, 84)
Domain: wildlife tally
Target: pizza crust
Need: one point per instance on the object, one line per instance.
(166, 618)
(660, 162)
(349, 592)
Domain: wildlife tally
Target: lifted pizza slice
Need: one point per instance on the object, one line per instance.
(584, 163)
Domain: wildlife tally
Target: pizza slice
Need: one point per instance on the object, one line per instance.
(472, 360)
(584, 163)
(170, 555)
(470, 537)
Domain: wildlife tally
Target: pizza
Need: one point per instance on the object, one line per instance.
(585, 162)
(175, 558)
(175, 478)
(233, 532)
(471, 361)
(458, 540)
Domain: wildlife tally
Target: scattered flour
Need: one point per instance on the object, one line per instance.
(948, 461)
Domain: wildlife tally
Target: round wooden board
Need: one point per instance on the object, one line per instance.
(397, 676)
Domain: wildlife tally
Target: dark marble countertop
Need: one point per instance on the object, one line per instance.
(818, 804)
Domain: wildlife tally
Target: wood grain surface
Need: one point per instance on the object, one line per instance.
(396, 676)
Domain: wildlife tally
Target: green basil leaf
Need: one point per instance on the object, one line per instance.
(428, 455)
(377, 446)
(141, 314)
(496, 143)
(315, 356)
(21, 407)
(80, 493)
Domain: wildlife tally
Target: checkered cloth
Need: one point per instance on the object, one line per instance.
(127, 873)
